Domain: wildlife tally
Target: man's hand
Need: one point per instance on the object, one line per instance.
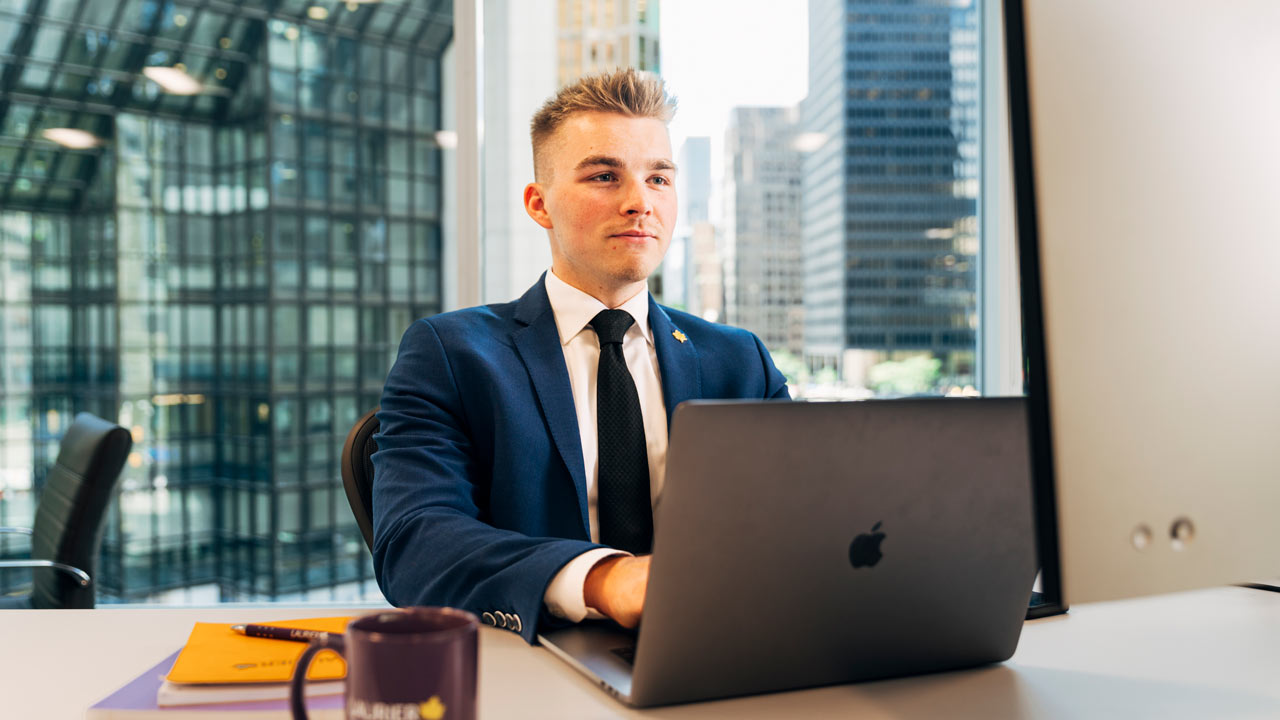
(616, 587)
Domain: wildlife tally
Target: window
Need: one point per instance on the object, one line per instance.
(198, 276)
(832, 195)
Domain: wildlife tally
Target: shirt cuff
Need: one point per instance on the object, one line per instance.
(564, 595)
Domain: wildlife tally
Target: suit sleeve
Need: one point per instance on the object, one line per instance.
(431, 545)
(775, 383)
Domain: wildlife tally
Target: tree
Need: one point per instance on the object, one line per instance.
(912, 376)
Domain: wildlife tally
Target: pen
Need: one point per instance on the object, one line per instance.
(280, 633)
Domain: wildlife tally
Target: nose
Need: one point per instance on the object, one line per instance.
(635, 199)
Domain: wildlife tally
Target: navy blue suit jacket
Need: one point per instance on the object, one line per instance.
(479, 490)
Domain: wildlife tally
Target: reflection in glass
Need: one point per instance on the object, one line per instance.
(199, 280)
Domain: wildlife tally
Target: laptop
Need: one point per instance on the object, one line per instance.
(802, 544)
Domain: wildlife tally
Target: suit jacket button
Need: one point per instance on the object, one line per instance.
(488, 619)
(519, 626)
(502, 620)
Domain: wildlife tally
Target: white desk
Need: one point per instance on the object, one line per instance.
(1205, 654)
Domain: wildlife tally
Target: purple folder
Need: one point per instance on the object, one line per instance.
(138, 700)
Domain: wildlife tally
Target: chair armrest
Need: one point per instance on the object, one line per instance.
(81, 576)
(15, 530)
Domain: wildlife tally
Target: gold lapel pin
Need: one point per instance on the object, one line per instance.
(678, 335)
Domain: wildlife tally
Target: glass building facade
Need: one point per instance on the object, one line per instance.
(764, 274)
(597, 35)
(226, 273)
(891, 187)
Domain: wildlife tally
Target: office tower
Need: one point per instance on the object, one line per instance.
(706, 283)
(223, 261)
(700, 243)
(600, 35)
(891, 186)
(693, 187)
(764, 259)
(694, 180)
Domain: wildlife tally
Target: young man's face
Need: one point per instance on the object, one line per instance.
(608, 200)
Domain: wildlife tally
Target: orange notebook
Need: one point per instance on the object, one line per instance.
(215, 653)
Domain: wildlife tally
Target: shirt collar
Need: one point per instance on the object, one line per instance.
(574, 309)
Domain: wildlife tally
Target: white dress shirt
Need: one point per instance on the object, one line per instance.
(574, 311)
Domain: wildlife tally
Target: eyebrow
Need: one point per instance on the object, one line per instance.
(613, 162)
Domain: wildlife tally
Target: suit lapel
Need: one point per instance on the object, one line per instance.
(538, 342)
(677, 360)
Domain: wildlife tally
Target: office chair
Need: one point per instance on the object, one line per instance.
(357, 472)
(67, 532)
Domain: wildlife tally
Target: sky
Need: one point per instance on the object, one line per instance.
(721, 54)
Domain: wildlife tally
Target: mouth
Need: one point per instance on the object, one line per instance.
(634, 235)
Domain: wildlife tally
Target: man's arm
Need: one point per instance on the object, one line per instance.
(775, 383)
(431, 546)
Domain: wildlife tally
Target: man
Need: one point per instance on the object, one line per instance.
(523, 444)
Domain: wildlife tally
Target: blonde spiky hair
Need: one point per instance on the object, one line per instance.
(630, 92)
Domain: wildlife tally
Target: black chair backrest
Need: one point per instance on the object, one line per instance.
(69, 519)
(357, 472)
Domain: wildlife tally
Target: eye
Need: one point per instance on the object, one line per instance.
(662, 180)
(604, 177)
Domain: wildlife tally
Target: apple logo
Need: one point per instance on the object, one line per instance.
(864, 551)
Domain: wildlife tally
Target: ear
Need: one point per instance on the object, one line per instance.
(535, 203)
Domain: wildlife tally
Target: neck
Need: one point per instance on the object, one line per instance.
(612, 296)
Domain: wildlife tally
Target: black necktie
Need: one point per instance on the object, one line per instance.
(626, 517)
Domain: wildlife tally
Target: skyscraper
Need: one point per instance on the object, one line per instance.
(694, 180)
(693, 187)
(706, 277)
(890, 190)
(600, 35)
(764, 259)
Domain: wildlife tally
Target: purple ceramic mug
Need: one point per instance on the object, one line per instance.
(410, 664)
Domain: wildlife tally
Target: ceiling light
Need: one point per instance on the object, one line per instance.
(315, 12)
(72, 138)
(173, 80)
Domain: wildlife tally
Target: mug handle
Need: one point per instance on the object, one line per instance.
(297, 696)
